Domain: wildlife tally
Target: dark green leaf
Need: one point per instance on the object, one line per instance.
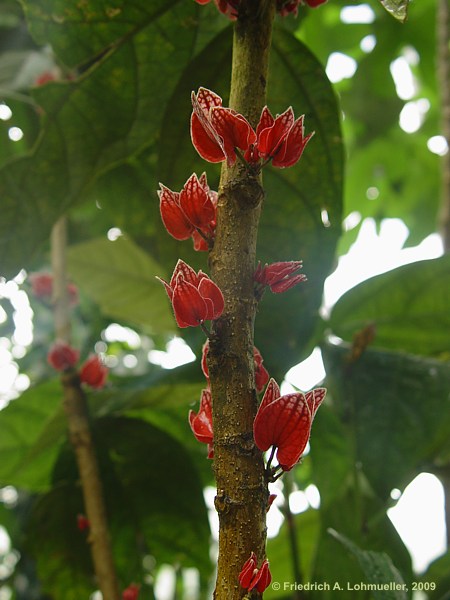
(436, 579)
(151, 512)
(396, 409)
(378, 569)
(409, 306)
(32, 429)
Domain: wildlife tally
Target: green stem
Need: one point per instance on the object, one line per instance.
(242, 492)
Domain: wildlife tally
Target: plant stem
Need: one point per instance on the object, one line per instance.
(292, 531)
(242, 492)
(443, 78)
(76, 410)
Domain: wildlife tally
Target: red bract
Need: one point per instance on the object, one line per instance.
(261, 374)
(227, 7)
(251, 577)
(201, 422)
(93, 372)
(285, 422)
(278, 276)
(62, 356)
(131, 592)
(281, 140)
(216, 131)
(190, 213)
(42, 287)
(195, 297)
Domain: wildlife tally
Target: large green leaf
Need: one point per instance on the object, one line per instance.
(111, 111)
(409, 306)
(32, 429)
(378, 569)
(395, 407)
(147, 511)
(120, 277)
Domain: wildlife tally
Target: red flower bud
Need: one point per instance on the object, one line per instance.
(94, 372)
(131, 592)
(62, 356)
(42, 288)
(285, 422)
(278, 276)
(83, 522)
(217, 131)
(195, 297)
(201, 422)
(251, 577)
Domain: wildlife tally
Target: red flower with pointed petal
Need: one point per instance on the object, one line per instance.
(281, 140)
(172, 215)
(196, 202)
(83, 522)
(279, 276)
(195, 297)
(62, 356)
(285, 422)
(201, 422)
(191, 212)
(216, 131)
(93, 372)
(251, 577)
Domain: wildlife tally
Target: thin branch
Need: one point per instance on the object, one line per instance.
(80, 436)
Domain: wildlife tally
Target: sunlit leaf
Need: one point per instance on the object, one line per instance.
(397, 8)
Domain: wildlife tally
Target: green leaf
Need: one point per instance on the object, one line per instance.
(121, 278)
(397, 8)
(102, 117)
(409, 306)
(378, 569)
(163, 516)
(396, 409)
(436, 579)
(32, 429)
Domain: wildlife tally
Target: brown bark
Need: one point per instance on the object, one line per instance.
(80, 436)
(79, 429)
(443, 78)
(242, 493)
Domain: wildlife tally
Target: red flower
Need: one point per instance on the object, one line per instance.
(251, 577)
(195, 297)
(190, 213)
(261, 374)
(94, 372)
(281, 139)
(131, 592)
(42, 287)
(217, 131)
(227, 7)
(278, 276)
(201, 422)
(83, 522)
(62, 356)
(285, 422)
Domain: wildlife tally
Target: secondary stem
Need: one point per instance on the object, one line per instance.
(76, 409)
(242, 493)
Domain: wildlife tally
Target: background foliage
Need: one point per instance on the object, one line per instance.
(96, 142)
